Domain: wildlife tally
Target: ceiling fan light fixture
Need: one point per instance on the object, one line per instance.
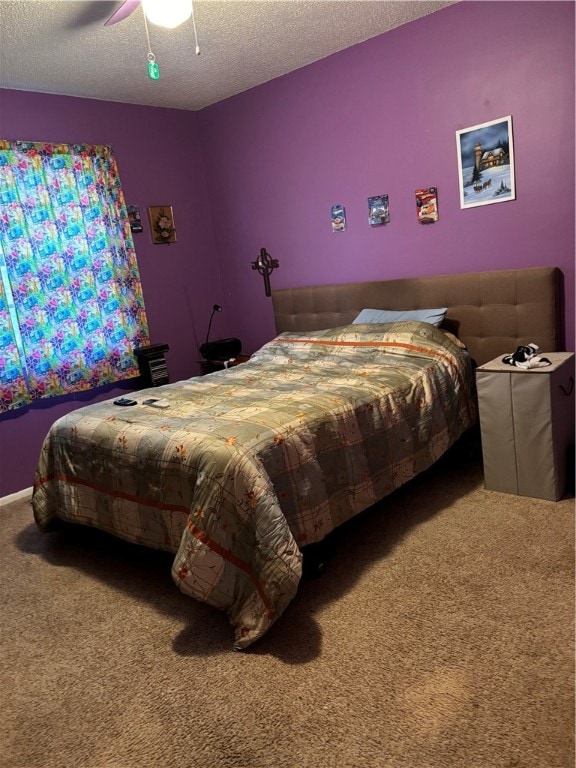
(167, 13)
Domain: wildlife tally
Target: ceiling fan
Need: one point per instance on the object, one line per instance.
(164, 13)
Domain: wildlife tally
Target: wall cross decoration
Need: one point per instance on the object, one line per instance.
(265, 265)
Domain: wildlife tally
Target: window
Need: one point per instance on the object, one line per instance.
(71, 305)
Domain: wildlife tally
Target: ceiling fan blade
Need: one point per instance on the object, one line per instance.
(127, 7)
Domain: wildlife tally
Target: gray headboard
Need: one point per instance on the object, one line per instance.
(491, 312)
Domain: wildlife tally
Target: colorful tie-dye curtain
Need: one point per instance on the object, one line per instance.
(71, 305)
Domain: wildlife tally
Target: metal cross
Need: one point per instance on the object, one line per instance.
(265, 265)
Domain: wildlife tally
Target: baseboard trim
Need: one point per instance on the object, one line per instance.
(16, 496)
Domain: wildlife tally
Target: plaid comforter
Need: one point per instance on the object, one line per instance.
(248, 465)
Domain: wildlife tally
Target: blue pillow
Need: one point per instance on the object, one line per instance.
(432, 316)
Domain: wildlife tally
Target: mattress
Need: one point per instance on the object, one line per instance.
(249, 465)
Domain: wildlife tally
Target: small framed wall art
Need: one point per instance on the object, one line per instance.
(162, 224)
(486, 163)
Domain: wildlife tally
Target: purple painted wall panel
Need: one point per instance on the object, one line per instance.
(160, 162)
(377, 118)
(381, 118)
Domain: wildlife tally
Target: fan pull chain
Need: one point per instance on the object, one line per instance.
(153, 68)
(195, 33)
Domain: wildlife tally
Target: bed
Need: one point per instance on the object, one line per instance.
(248, 466)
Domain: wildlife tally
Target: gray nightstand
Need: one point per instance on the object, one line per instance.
(527, 425)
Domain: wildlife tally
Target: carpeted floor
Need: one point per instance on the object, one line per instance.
(440, 635)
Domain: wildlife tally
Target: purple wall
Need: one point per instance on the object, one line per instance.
(381, 118)
(264, 167)
(160, 162)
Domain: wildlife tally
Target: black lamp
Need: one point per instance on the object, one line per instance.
(215, 308)
(222, 349)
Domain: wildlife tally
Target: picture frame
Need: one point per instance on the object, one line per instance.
(486, 163)
(162, 227)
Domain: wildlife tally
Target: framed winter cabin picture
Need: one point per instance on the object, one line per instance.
(486, 163)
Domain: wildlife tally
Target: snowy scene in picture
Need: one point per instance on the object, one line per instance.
(486, 163)
(494, 184)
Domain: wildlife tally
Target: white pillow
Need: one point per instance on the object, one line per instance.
(432, 316)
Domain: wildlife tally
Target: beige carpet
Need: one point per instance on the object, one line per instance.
(439, 636)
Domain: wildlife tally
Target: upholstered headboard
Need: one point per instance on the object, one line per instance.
(491, 312)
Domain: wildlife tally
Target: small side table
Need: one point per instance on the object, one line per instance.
(210, 366)
(527, 425)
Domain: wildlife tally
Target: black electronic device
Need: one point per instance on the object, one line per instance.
(222, 349)
(152, 364)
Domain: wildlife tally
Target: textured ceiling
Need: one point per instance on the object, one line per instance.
(63, 47)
